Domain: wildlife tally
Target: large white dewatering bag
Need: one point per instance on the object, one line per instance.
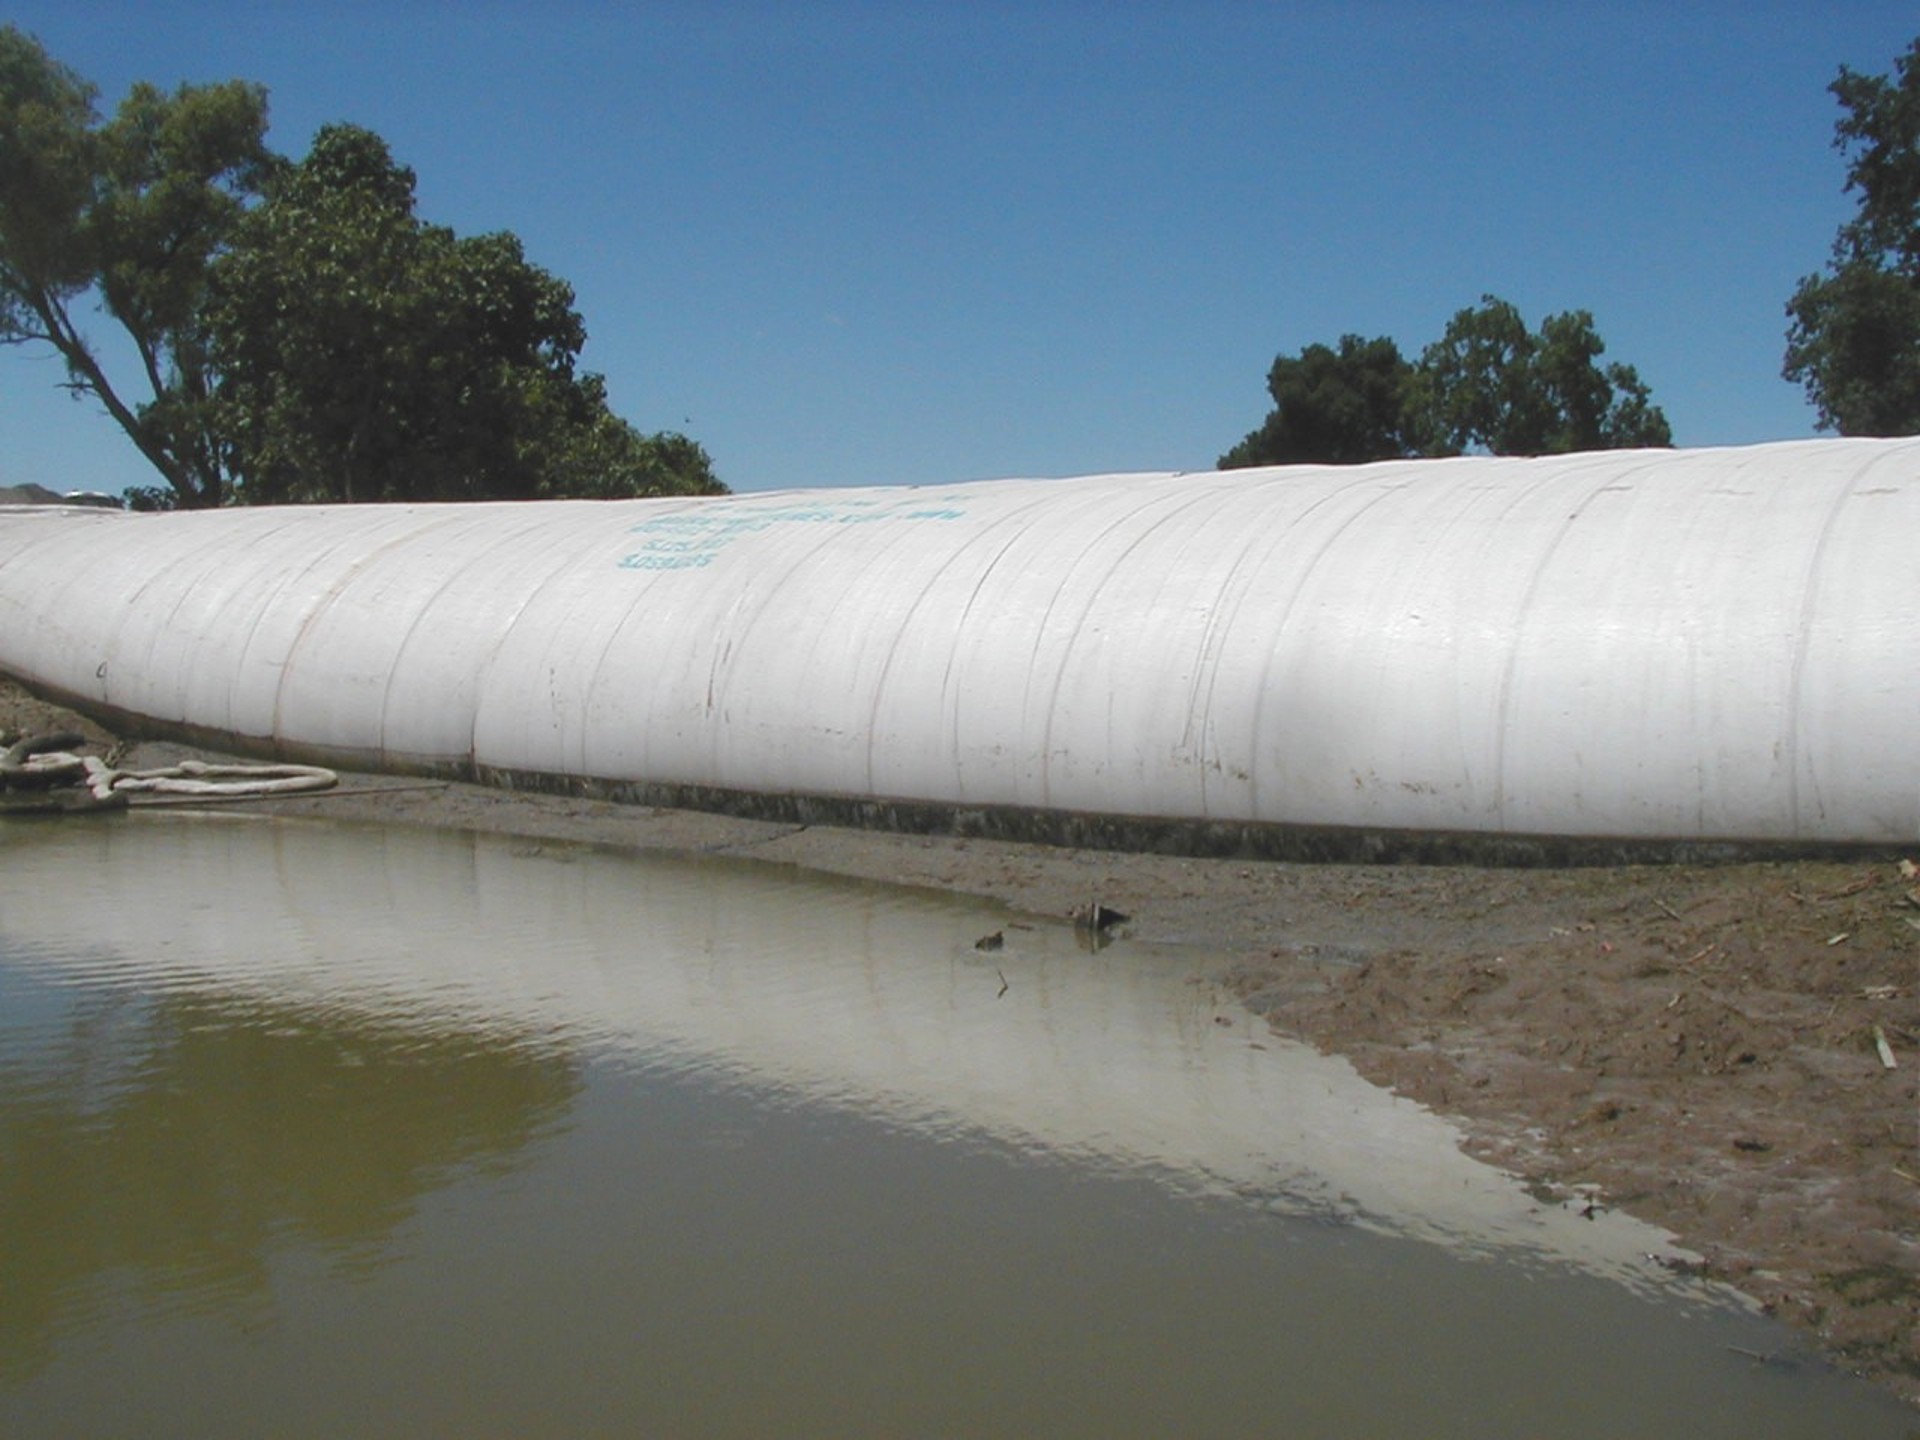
(1712, 644)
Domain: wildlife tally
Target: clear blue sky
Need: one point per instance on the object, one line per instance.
(844, 243)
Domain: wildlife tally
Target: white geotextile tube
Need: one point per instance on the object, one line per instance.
(1707, 645)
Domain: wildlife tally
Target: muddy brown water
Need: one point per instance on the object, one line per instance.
(314, 1129)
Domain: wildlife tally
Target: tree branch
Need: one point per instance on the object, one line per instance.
(86, 374)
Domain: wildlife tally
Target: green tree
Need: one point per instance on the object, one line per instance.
(298, 332)
(366, 355)
(1488, 384)
(1491, 384)
(124, 216)
(1333, 407)
(1853, 338)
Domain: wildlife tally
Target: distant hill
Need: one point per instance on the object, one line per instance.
(31, 494)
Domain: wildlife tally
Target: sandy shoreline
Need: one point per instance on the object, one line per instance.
(1698, 1046)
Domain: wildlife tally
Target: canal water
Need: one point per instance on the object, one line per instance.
(317, 1130)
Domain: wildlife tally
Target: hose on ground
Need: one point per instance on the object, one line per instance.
(47, 762)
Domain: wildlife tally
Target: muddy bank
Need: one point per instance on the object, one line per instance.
(1700, 1046)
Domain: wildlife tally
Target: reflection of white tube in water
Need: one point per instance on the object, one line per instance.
(862, 996)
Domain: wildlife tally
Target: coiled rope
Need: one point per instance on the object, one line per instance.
(43, 766)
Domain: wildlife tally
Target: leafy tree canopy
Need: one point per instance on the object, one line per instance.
(1853, 338)
(1491, 384)
(366, 355)
(302, 335)
(124, 215)
(1333, 407)
(1488, 384)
